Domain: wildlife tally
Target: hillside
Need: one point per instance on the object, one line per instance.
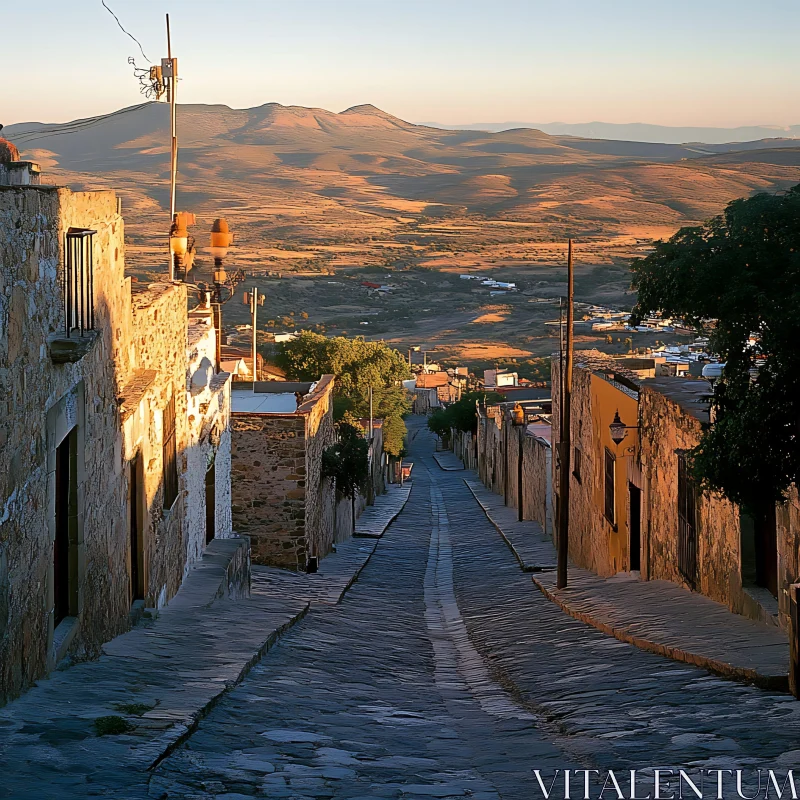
(311, 191)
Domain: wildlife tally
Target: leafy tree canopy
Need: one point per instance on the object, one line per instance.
(394, 434)
(346, 461)
(739, 275)
(357, 365)
(461, 415)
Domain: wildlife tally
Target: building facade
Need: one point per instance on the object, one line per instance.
(280, 499)
(98, 491)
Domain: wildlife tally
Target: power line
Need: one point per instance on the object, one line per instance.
(124, 31)
(72, 127)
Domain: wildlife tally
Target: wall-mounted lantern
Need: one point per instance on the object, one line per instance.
(619, 429)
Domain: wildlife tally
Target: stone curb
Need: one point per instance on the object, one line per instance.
(181, 732)
(394, 516)
(374, 547)
(443, 467)
(523, 566)
(743, 674)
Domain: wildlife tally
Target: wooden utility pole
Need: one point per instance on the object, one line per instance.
(172, 74)
(254, 312)
(565, 445)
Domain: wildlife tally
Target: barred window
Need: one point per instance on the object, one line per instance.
(610, 462)
(170, 454)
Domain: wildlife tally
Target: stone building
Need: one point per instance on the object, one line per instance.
(280, 430)
(512, 459)
(105, 433)
(603, 474)
(634, 506)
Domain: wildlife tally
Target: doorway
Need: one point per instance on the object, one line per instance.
(759, 551)
(136, 528)
(635, 527)
(66, 528)
(211, 502)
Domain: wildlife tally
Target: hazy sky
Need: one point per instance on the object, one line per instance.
(670, 62)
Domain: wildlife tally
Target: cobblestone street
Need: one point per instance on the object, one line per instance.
(445, 672)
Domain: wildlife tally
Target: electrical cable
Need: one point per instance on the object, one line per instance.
(72, 127)
(144, 55)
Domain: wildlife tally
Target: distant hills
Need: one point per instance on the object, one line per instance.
(290, 173)
(641, 132)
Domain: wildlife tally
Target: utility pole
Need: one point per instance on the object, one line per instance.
(169, 70)
(254, 312)
(565, 444)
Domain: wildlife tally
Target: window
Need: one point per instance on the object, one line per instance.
(79, 282)
(576, 464)
(687, 522)
(170, 464)
(610, 462)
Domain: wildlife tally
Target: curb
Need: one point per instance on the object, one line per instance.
(376, 539)
(778, 683)
(358, 535)
(184, 730)
(447, 469)
(523, 566)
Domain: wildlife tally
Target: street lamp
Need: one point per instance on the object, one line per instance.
(221, 240)
(619, 429)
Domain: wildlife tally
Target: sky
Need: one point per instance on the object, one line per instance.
(669, 62)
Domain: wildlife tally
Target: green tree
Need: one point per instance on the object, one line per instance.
(461, 415)
(358, 366)
(394, 436)
(735, 276)
(346, 461)
(440, 423)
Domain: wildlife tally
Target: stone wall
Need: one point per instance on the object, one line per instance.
(536, 482)
(208, 437)
(107, 392)
(595, 542)
(667, 430)
(320, 434)
(39, 403)
(268, 465)
(788, 524)
(279, 497)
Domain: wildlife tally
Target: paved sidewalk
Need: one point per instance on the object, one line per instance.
(375, 519)
(657, 616)
(448, 461)
(663, 618)
(527, 541)
(161, 678)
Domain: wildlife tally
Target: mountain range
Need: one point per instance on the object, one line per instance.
(641, 132)
(368, 180)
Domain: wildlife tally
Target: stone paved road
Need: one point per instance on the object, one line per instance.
(445, 673)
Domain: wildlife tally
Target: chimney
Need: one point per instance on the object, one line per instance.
(14, 172)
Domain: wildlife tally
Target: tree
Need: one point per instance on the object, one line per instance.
(358, 366)
(439, 422)
(346, 461)
(738, 276)
(394, 434)
(461, 415)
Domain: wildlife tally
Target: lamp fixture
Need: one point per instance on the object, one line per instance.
(619, 429)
